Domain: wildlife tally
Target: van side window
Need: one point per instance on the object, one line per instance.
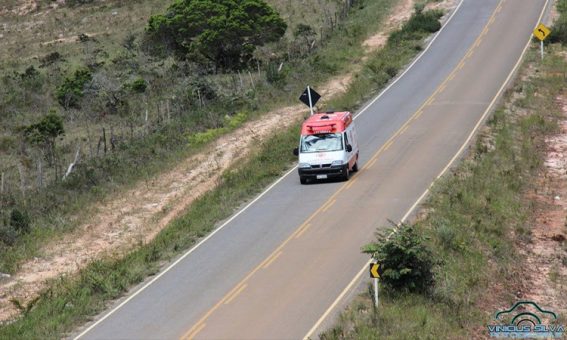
(346, 139)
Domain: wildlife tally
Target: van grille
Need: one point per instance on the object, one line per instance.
(319, 166)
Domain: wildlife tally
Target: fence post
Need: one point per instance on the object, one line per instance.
(104, 139)
(39, 174)
(22, 179)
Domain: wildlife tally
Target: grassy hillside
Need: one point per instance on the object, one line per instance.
(131, 109)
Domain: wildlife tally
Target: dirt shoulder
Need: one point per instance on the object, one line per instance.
(546, 251)
(139, 214)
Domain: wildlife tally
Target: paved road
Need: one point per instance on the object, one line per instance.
(275, 269)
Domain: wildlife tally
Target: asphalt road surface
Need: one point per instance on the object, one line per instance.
(276, 268)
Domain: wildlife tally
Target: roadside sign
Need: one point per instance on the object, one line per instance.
(376, 270)
(310, 97)
(541, 32)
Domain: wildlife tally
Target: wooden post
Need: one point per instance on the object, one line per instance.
(112, 138)
(168, 112)
(241, 82)
(70, 168)
(252, 81)
(22, 179)
(200, 99)
(104, 139)
(39, 174)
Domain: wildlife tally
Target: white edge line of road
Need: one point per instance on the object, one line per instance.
(265, 191)
(410, 211)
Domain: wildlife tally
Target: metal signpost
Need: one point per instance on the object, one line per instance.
(541, 32)
(375, 272)
(310, 97)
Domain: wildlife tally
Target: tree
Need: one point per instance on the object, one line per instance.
(45, 132)
(69, 93)
(225, 32)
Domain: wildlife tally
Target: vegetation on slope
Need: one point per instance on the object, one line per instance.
(73, 300)
(122, 107)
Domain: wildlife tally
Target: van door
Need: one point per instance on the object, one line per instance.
(348, 139)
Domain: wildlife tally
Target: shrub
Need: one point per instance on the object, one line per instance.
(8, 235)
(20, 221)
(274, 75)
(559, 30)
(139, 85)
(408, 263)
(69, 93)
(46, 130)
(419, 24)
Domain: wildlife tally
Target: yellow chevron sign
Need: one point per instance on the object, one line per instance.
(541, 32)
(375, 270)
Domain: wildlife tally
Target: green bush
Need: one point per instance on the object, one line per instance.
(20, 221)
(139, 85)
(559, 30)
(274, 75)
(224, 32)
(70, 92)
(408, 263)
(46, 130)
(419, 24)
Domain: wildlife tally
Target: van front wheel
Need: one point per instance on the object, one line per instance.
(346, 175)
(355, 167)
(302, 180)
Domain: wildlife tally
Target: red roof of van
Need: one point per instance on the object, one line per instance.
(326, 122)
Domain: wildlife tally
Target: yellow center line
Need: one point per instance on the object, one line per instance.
(275, 257)
(237, 292)
(388, 145)
(417, 115)
(329, 205)
(442, 88)
(351, 182)
(195, 332)
(302, 228)
(370, 164)
(328, 311)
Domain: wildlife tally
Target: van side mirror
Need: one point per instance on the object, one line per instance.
(349, 148)
(296, 151)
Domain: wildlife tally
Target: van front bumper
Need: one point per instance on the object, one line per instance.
(318, 172)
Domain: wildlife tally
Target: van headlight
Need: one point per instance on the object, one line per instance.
(304, 165)
(337, 163)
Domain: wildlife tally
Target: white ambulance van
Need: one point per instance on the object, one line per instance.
(328, 147)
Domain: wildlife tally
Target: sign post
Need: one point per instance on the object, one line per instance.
(311, 101)
(541, 32)
(375, 272)
(310, 97)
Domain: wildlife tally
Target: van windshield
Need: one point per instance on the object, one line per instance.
(322, 142)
